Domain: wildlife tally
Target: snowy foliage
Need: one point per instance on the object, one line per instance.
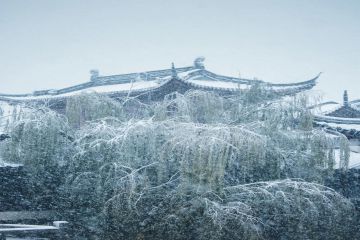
(192, 165)
(88, 107)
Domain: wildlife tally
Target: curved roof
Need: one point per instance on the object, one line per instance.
(343, 118)
(194, 76)
(355, 104)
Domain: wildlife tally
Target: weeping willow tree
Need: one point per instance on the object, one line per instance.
(196, 164)
(88, 107)
(39, 138)
(41, 141)
(160, 178)
(208, 107)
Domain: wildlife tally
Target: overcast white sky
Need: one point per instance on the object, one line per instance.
(52, 44)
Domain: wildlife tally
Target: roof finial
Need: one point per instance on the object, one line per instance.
(346, 99)
(173, 71)
(199, 62)
(94, 74)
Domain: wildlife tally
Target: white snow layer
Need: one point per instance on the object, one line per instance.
(6, 111)
(342, 125)
(99, 89)
(326, 108)
(219, 84)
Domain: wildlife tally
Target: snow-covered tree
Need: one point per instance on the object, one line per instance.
(197, 164)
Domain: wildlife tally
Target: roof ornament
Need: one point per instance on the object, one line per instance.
(94, 74)
(199, 62)
(138, 78)
(173, 71)
(346, 99)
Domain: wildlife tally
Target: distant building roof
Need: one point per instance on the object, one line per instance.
(343, 118)
(346, 110)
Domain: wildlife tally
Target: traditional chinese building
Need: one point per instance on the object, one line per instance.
(344, 118)
(341, 118)
(154, 85)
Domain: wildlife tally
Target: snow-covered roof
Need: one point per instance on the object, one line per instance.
(355, 104)
(344, 116)
(122, 87)
(329, 115)
(341, 125)
(195, 76)
(325, 108)
(218, 84)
